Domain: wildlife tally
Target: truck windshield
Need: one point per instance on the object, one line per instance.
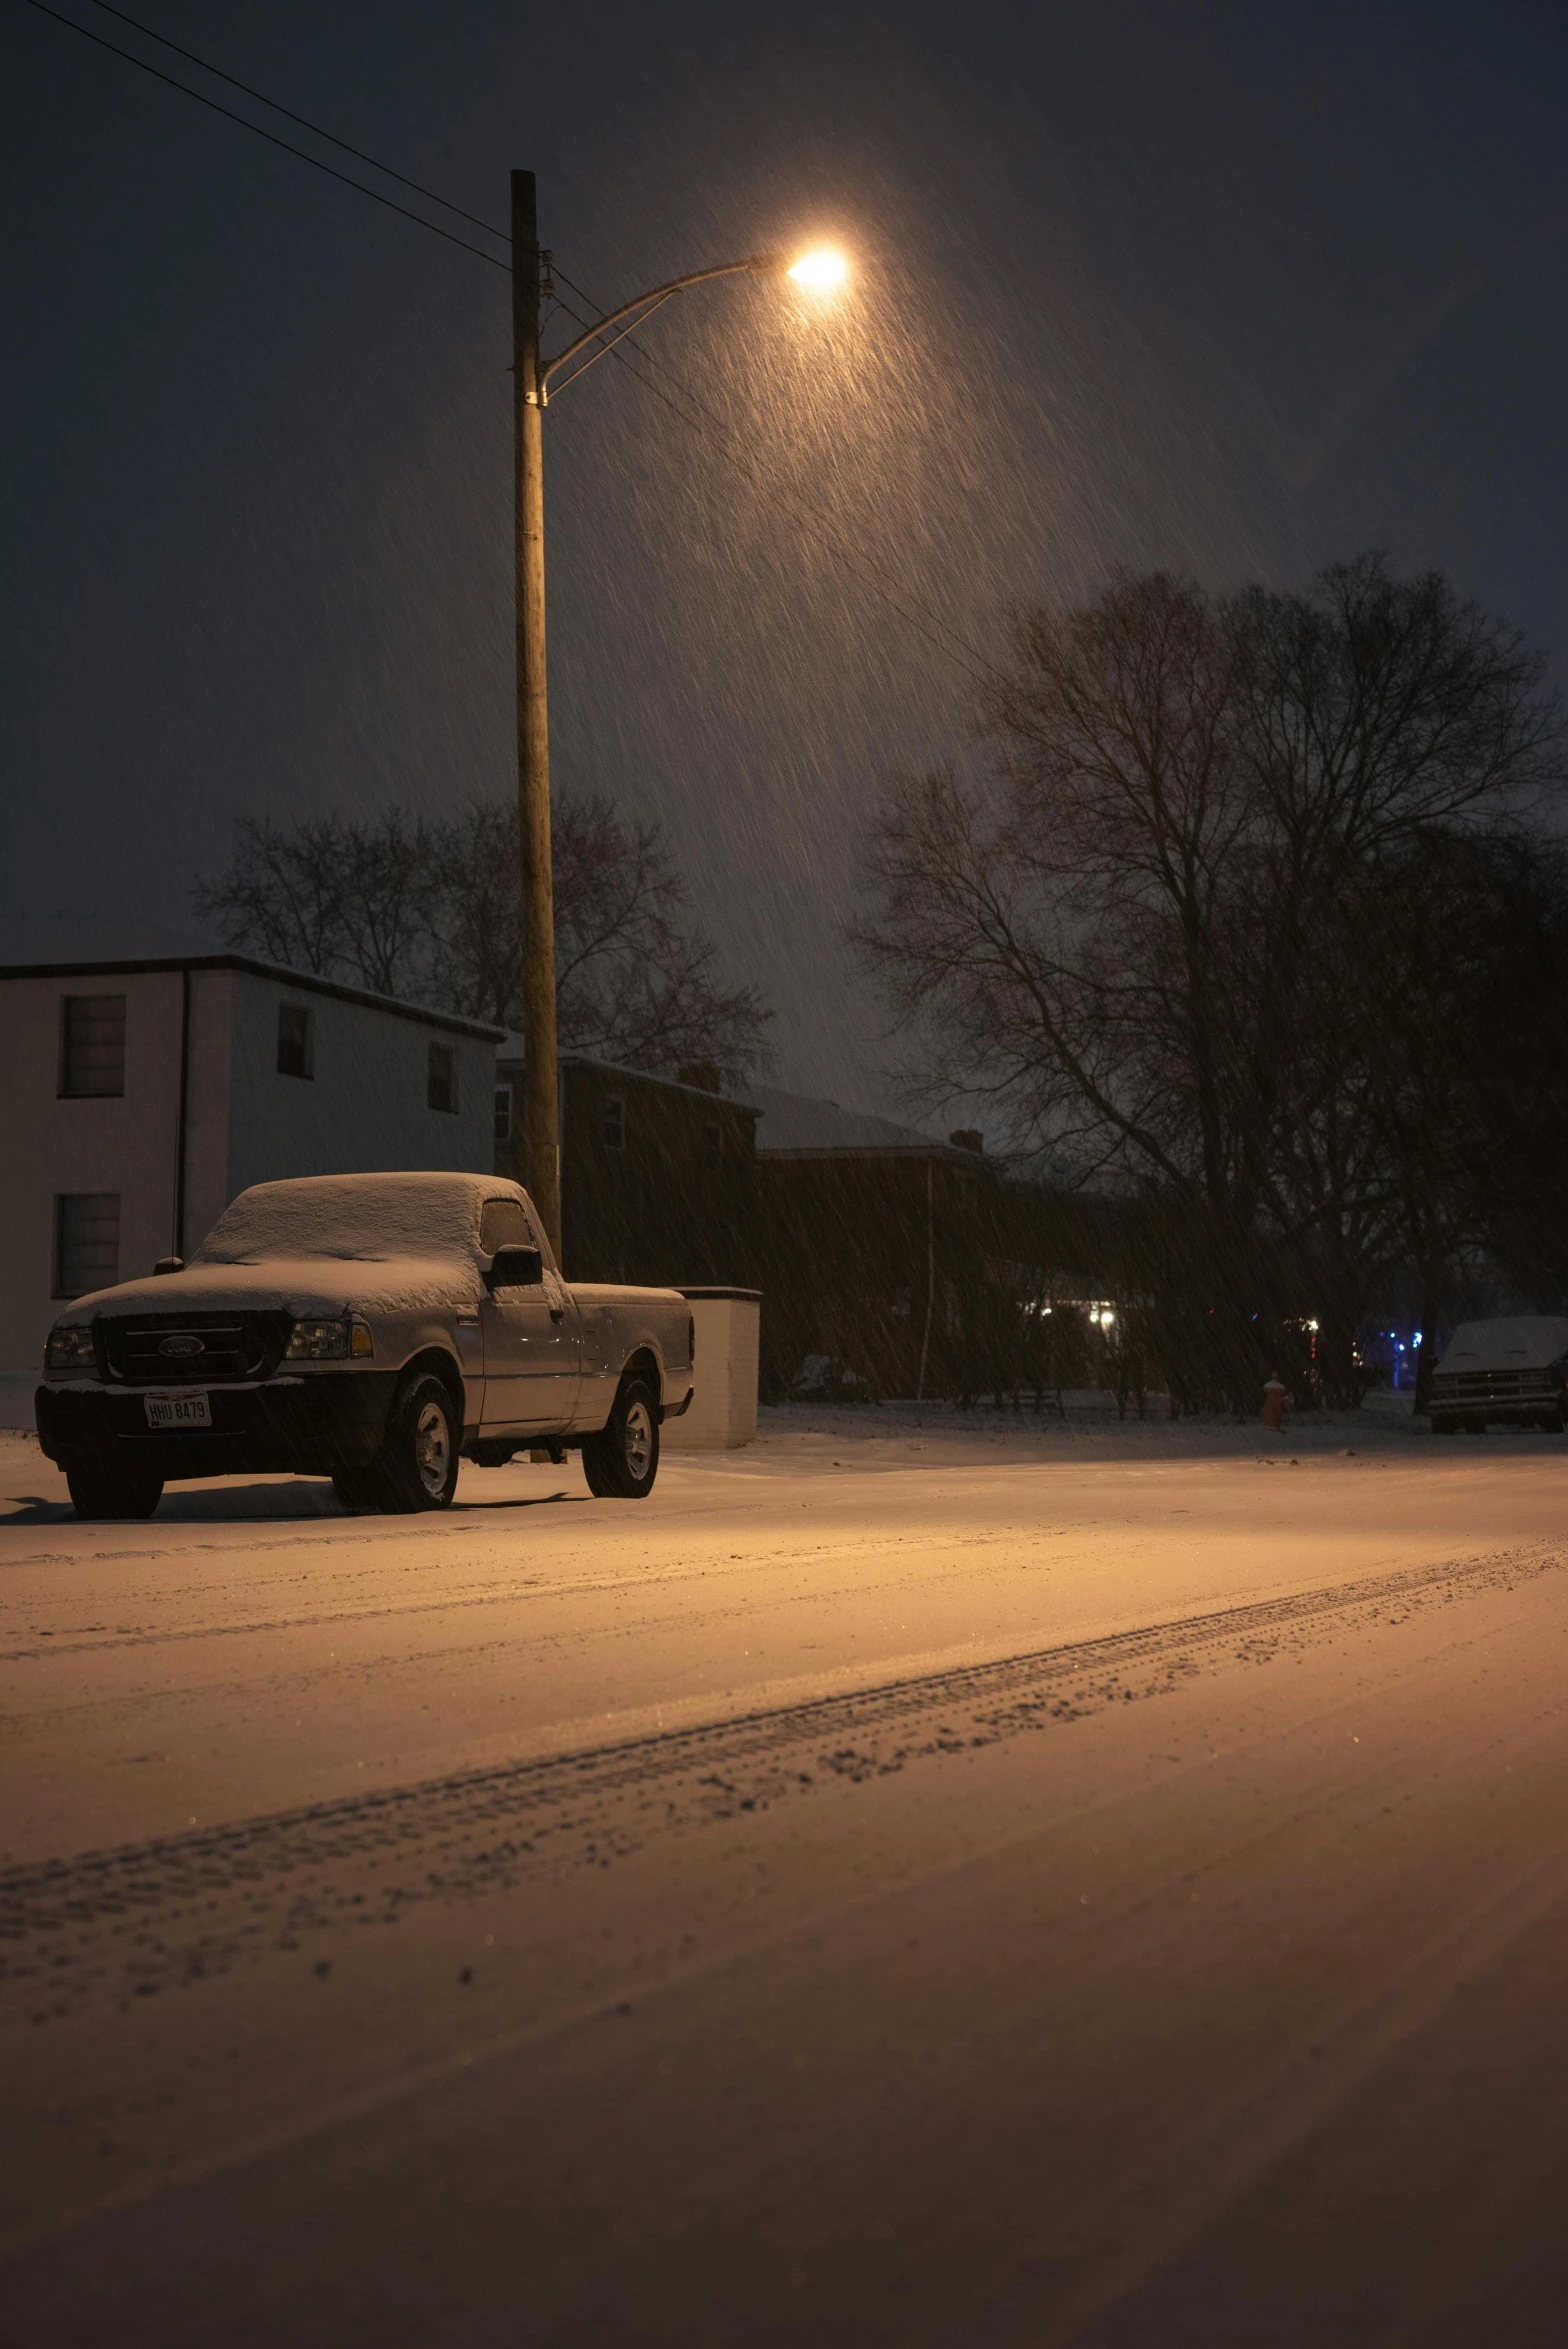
(357, 1219)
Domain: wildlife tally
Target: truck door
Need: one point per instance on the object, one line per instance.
(530, 1336)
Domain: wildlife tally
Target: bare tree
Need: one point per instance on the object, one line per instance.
(1380, 718)
(1471, 938)
(426, 909)
(329, 895)
(1143, 928)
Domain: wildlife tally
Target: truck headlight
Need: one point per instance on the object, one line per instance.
(329, 1341)
(70, 1347)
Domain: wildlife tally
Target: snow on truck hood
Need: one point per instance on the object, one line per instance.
(1524, 1341)
(327, 1244)
(308, 1287)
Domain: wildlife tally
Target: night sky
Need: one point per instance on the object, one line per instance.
(1228, 289)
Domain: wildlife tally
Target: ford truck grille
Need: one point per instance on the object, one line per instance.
(1495, 1386)
(192, 1349)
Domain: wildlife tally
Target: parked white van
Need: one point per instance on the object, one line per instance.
(1513, 1371)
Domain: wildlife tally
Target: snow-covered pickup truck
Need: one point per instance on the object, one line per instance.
(1513, 1370)
(371, 1328)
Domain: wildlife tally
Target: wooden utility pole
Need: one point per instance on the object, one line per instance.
(536, 907)
(530, 389)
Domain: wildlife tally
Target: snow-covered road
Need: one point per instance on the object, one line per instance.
(914, 1880)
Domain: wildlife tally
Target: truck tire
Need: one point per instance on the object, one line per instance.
(107, 1492)
(622, 1461)
(416, 1467)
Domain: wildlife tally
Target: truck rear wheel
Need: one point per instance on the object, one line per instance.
(621, 1462)
(108, 1492)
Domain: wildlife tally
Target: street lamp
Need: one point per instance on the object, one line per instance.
(818, 271)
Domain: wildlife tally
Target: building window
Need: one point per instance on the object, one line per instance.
(503, 1113)
(615, 1123)
(86, 1242)
(296, 1040)
(715, 1141)
(92, 1046)
(441, 1090)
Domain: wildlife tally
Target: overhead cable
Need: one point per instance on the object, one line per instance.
(695, 413)
(271, 137)
(304, 121)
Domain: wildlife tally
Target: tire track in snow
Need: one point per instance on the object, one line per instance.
(151, 1916)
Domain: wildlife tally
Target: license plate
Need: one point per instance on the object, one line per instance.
(178, 1411)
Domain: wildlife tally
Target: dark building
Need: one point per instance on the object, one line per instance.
(658, 1175)
(893, 1263)
(869, 1231)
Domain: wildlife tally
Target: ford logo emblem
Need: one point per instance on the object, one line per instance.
(182, 1345)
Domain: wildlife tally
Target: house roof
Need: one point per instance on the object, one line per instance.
(127, 966)
(790, 1125)
(795, 1126)
(510, 1055)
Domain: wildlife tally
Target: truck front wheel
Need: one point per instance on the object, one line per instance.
(416, 1467)
(622, 1461)
(111, 1493)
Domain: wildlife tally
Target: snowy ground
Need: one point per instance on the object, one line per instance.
(929, 1877)
(1091, 1427)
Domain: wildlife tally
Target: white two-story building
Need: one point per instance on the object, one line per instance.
(138, 1097)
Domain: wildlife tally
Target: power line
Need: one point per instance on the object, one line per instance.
(270, 136)
(304, 121)
(945, 639)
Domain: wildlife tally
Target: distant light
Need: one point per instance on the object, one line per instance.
(822, 271)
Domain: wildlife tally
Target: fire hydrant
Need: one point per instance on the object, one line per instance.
(1277, 1400)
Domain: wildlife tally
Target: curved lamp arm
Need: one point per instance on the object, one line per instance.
(760, 264)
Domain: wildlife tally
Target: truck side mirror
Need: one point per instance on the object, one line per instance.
(515, 1268)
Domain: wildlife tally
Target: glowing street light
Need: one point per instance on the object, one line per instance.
(820, 271)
